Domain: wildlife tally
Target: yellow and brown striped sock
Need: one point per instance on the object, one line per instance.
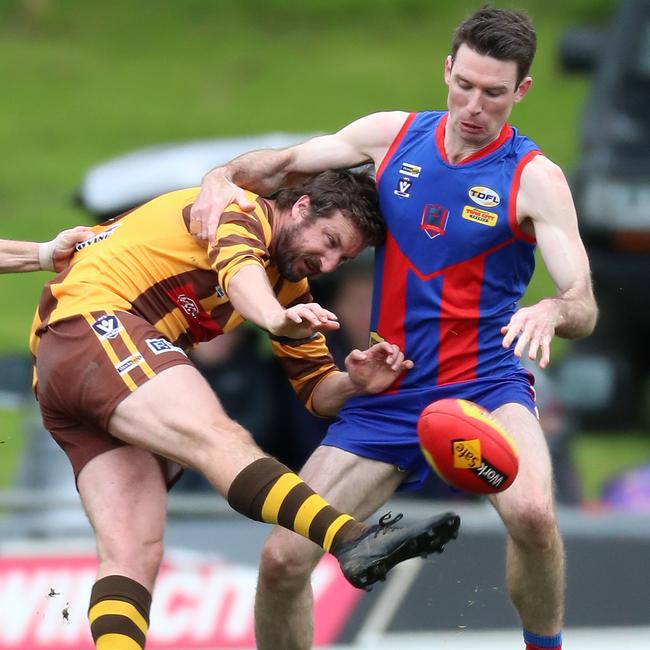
(119, 613)
(268, 491)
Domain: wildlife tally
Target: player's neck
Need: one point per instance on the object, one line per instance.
(458, 149)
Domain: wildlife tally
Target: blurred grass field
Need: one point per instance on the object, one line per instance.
(85, 81)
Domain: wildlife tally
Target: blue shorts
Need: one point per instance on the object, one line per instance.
(384, 427)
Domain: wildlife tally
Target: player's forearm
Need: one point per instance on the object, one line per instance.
(262, 171)
(19, 256)
(577, 316)
(330, 395)
(252, 296)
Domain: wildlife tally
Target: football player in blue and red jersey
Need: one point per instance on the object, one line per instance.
(466, 199)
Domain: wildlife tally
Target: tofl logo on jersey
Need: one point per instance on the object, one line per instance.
(434, 220)
(107, 327)
(484, 196)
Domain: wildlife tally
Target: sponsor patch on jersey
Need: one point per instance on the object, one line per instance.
(434, 220)
(159, 346)
(128, 364)
(403, 188)
(480, 216)
(107, 327)
(97, 238)
(407, 169)
(484, 196)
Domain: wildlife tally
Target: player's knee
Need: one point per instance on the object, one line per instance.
(286, 567)
(533, 525)
(217, 441)
(145, 552)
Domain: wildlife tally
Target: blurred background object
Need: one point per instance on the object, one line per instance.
(611, 187)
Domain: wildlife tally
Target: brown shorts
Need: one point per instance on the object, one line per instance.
(85, 366)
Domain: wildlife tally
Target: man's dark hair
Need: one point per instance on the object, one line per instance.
(353, 193)
(500, 33)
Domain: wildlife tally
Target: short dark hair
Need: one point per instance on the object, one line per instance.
(354, 193)
(500, 33)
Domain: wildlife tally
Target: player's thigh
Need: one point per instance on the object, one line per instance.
(532, 490)
(177, 415)
(125, 497)
(351, 483)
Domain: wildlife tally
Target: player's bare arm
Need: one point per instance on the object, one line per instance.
(252, 296)
(54, 255)
(364, 140)
(369, 372)
(545, 205)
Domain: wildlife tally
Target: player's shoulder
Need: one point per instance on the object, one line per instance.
(542, 174)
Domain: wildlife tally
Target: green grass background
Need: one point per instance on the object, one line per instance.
(84, 81)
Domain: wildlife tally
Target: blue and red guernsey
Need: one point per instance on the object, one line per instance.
(455, 262)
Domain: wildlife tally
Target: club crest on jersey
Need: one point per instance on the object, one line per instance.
(407, 169)
(434, 220)
(480, 216)
(484, 196)
(403, 188)
(107, 327)
(188, 305)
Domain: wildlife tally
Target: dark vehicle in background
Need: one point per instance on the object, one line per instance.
(611, 187)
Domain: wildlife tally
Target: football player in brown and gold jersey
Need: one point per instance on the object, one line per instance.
(119, 395)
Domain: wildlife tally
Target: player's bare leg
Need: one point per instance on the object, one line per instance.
(124, 495)
(284, 603)
(125, 498)
(176, 415)
(535, 565)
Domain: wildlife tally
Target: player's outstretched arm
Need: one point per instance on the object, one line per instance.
(364, 140)
(369, 372)
(252, 296)
(545, 199)
(54, 255)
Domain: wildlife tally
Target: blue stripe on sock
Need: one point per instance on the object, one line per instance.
(543, 641)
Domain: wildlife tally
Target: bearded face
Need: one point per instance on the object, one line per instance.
(291, 258)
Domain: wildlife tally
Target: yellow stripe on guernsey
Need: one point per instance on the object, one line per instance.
(306, 513)
(118, 608)
(117, 642)
(471, 410)
(276, 497)
(108, 348)
(131, 347)
(334, 528)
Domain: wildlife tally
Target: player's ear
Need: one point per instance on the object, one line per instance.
(523, 88)
(449, 62)
(301, 208)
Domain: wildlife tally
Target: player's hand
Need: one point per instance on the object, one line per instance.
(375, 369)
(55, 255)
(217, 192)
(534, 328)
(302, 321)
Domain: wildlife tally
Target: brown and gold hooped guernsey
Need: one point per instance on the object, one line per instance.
(146, 263)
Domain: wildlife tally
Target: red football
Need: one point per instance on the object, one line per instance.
(467, 447)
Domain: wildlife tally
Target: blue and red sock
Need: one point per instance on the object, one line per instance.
(539, 642)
